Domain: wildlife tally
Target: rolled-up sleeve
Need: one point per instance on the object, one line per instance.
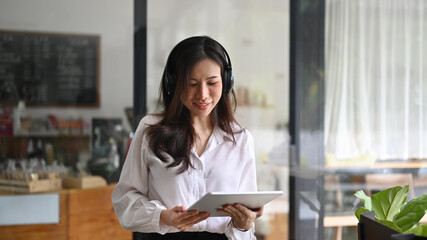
(134, 210)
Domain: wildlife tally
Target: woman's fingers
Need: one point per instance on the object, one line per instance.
(242, 216)
(259, 212)
(181, 219)
(238, 211)
(186, 221)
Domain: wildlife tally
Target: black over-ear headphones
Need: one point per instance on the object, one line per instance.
(227, 78)
(228, 73)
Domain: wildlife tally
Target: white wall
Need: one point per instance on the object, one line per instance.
(255, 34)
(112, 20)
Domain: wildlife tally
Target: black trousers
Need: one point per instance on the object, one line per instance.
(179, 236)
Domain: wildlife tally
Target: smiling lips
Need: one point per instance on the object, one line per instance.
(202, 106)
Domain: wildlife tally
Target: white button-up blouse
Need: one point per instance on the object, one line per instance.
(147, 186)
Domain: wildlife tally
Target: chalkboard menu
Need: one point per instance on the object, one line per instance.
(47, 69)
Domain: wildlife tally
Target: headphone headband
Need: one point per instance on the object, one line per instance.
(227, 77)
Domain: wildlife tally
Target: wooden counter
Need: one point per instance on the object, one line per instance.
(84, 214)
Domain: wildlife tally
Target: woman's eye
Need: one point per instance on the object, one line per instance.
(193, 84)
(212, 83)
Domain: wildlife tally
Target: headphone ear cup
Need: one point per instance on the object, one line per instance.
(231, 81)
(228, 80)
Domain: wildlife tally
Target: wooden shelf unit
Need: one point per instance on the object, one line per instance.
(84, 214)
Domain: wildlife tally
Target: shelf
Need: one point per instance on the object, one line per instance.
(44, 185)
(37, 134)
(48, 134)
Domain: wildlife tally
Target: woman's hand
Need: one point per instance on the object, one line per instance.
(242, 216)
(179, 218)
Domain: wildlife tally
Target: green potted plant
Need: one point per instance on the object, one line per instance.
(388, 212)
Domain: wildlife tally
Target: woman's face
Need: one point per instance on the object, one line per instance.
(204, 88)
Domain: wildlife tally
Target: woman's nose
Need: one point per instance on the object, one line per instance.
(202, 91)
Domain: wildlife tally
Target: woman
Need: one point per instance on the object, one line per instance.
(194, 146)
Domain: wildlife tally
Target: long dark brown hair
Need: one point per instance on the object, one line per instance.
(174, 134)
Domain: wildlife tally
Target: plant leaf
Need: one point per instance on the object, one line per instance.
(367, 200)
(360, 211)
(388, 203)
(411, 213)
(389, 224)
(420, 230)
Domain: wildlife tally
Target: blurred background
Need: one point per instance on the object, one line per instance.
(333, 92)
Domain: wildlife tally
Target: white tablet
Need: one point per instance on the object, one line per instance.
(215, 200)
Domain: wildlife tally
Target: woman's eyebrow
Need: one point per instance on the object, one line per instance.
(209, 78)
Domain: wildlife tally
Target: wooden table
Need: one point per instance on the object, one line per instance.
(84, 214)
